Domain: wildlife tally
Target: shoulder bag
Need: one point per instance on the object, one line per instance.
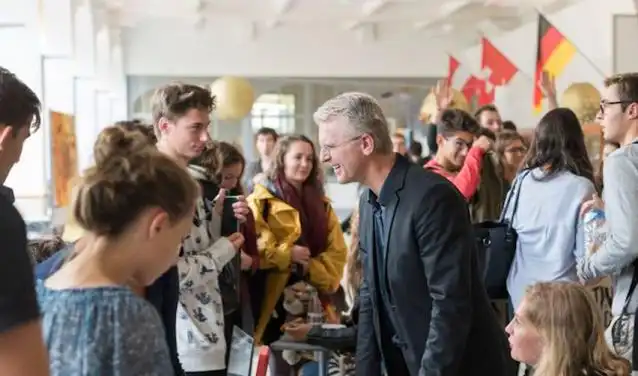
(496, 244)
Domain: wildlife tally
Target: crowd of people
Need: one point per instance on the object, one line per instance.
(172, 240)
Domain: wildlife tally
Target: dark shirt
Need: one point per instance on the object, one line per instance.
(252, 169)
(18, 303)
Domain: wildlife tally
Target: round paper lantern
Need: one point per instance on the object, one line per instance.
(429, 104)
(234, 96)
(582, 98)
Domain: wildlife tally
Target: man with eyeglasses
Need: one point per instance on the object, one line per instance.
(423, 309)
(459, 155)
(618, 116)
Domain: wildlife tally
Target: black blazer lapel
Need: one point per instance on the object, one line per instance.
(388, 221)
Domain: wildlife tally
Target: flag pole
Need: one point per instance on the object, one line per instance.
(587, 59)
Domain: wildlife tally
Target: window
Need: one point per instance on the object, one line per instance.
(276, 111)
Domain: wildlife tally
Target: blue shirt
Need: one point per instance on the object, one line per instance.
(102, 331)
(550, 230)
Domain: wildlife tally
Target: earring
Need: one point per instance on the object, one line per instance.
(158, 228)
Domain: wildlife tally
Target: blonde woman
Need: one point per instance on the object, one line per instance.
(558, 330)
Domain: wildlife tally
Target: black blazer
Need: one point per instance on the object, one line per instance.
(444, 323)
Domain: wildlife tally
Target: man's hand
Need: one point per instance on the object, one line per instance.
(298, 331)
(240, 208)
(246, 261)
(483, 142)
(595, 202)
(237, 239)
(547, 85)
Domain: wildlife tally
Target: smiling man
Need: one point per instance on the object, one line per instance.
(416, 241)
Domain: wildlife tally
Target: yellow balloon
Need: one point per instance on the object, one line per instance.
(234, 96)
(582, 98)
(429, 104)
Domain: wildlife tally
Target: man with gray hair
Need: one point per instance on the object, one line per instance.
(423, 307)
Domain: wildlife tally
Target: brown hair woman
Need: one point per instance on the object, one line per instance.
(300, 236)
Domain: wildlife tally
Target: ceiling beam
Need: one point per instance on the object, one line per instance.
(282, 7)
(372, 7)
(366, 33)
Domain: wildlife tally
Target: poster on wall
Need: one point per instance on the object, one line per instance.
(64, 163)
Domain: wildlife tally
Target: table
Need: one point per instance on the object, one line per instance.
(321, 352)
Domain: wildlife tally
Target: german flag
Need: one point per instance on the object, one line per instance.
(553, 53)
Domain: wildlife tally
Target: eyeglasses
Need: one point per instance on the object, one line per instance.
(327, 149)
(604, 104)
(517, 150)
(459, 143)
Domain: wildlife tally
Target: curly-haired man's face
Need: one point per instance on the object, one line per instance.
(453, 149)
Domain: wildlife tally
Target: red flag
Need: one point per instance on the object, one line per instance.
(499, 68)
(453, 65)
(478, 88)
(470, 85)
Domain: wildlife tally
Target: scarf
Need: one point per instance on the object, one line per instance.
(312, 213)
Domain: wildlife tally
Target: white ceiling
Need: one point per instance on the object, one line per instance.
(460, 20)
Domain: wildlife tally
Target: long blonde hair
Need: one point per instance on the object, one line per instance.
(571, 326)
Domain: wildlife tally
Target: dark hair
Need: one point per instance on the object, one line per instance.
(487, 133)
(504, 138)
(216, 156)
(627, 84)
(599, 175)
(266, 131)
(612, 143)
(416, 148)
(282, 147)
(45, 247)
(509, 125)
(19, 106)
(129, 176)
(138, 125)
(176, 99)
(484, 108)
(559, 145)
(455, 120)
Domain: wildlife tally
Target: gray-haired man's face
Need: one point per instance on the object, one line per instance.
(340, 148)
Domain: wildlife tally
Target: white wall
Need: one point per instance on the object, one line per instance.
(588, 25)
(174, 49)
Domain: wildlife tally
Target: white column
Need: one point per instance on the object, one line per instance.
(119, 100)
(84, 39)
(56, 27)
(85, 120)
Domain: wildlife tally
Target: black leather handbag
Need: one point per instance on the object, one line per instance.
(496, 245)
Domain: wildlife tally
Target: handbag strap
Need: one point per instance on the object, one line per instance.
(632, 288)
(516, 193)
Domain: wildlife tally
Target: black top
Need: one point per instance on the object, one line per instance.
(443, 322)
(18, 304)
(163, 294)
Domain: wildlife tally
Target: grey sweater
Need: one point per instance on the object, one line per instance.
(616, 255)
